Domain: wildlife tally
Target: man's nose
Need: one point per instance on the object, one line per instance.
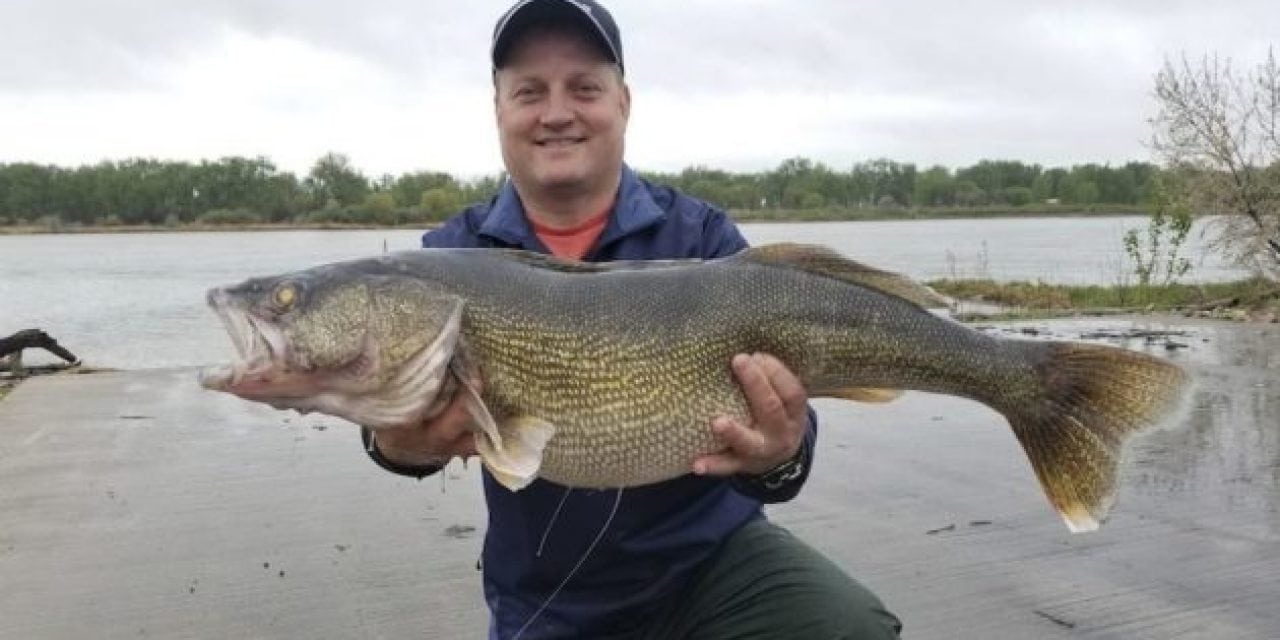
(559, 110)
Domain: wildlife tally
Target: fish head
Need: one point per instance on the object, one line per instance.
(331, 338)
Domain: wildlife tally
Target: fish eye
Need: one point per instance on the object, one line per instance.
(284, 296)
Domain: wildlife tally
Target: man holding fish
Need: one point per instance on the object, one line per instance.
(688, 557)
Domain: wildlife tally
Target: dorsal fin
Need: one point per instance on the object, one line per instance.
(553, 263)
(824, 261)
(567, 265)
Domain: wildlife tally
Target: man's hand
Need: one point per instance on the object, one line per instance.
(779, 417)
(434, 441)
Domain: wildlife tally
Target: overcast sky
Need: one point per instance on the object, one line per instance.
(402, 85)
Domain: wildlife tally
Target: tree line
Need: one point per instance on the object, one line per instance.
(249, 190)
(799, 183)
(228, 190)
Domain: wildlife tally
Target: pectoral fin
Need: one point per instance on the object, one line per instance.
(519, 459)
(512, 451)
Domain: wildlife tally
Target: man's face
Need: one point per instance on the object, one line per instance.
(562, 114)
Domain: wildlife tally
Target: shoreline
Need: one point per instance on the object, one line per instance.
(747, 217)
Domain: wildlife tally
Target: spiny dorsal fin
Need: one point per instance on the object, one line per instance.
(553, 263)
(824, 261)
(566, 265)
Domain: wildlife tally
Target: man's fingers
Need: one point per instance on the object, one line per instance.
(784, 383)
(740, 443)
(765, 405)
(717, 464)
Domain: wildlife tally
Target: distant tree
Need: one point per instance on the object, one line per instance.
(935, 187)
(1219, 131)
(440, 202)
(1046, 186)
(969, 194)
(713, 191)
(1017, 196)
(381, 208)
(408, 188)
(994, 176)
(882, 177)
(812, 200)
(482, 189)
(1085, 192)
(742, 195)
(332, 178)
(787, 178)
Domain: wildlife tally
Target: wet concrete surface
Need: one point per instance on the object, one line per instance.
(134, 504)
(138, 505)
(931, 502)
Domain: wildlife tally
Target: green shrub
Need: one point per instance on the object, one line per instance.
(228, 216)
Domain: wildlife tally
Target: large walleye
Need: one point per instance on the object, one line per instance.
(607, 375)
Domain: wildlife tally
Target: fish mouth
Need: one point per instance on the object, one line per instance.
(262, 351)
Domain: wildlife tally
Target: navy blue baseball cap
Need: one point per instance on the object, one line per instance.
(588, 15)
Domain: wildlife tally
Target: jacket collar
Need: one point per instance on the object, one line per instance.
(633, 210)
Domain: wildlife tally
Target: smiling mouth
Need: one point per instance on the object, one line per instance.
(556, 143)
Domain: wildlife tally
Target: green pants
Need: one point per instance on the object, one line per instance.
(766, 583)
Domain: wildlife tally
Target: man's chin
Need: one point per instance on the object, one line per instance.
(562, 181)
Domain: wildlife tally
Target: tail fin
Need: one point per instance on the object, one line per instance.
(1095, 398)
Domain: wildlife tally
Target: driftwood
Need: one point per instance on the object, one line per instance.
(13, 345)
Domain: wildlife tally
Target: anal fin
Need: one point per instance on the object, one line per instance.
(871, 396)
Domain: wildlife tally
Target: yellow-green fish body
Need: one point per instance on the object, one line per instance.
(609, 375)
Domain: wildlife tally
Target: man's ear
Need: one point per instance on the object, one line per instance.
(626, 101)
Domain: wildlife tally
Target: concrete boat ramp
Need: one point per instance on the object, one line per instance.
(135, 504)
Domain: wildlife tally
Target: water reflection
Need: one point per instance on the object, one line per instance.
(1219, 462)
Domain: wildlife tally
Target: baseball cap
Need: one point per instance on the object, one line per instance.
(588, 15)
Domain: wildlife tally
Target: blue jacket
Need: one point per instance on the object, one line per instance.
(660, 533)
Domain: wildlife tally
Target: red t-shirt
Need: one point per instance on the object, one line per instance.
(573, 242)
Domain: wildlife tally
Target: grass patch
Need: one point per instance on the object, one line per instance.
(1053, 297)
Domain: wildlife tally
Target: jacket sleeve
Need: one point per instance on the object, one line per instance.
(722, 238)
(371, 448)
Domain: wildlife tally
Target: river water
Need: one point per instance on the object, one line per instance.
(137, 300)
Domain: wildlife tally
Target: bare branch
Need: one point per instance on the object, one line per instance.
(1218, 130)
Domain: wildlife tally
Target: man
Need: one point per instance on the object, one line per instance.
(690, 557)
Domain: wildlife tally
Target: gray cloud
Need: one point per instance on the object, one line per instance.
(1043, 81)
